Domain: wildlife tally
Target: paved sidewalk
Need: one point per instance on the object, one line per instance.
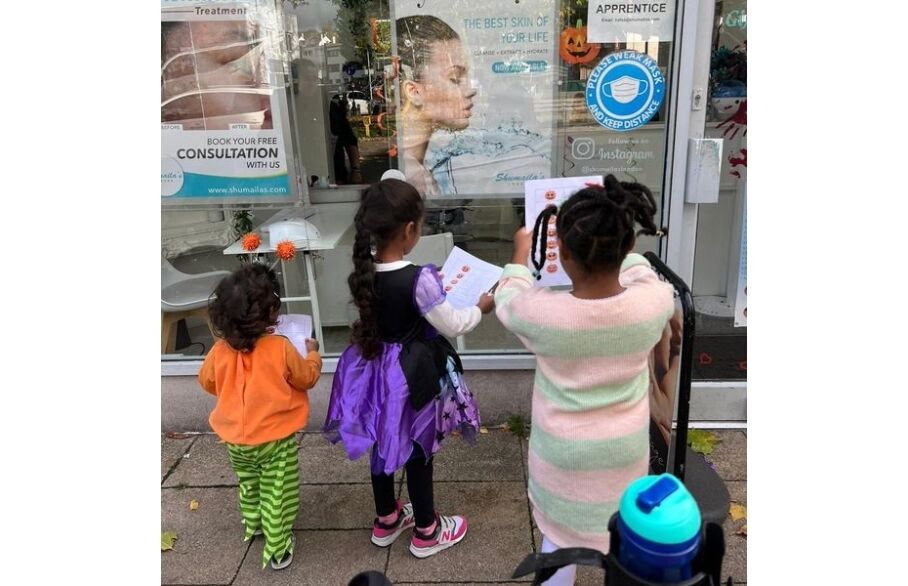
(485, 482)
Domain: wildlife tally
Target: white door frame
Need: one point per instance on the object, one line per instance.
(725, 400)
(693, 43)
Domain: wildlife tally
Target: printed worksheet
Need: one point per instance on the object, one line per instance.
(467, 277)
(540, 194)
(297, 327)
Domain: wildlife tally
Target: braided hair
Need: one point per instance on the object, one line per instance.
(386, 207)
(244, 305)
(596, 224)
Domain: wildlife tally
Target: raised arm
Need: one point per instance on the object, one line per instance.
(514, 305)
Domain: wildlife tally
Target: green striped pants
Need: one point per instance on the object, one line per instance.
(269, 478)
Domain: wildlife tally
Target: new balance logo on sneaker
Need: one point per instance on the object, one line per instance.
(449, 531)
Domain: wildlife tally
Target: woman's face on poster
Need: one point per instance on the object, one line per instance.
(444, 93)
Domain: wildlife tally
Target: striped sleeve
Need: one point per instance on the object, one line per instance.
(514, 301)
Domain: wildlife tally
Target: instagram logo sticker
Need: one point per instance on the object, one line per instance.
(583, 149)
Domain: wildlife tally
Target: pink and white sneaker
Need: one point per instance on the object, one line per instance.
(384, 535)
(449, 531)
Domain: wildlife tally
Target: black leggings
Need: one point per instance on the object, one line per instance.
(419, 485)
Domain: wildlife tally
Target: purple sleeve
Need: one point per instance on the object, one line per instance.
(428, 291)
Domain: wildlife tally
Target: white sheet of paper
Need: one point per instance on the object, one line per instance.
(539, 194)
(297, 327)
(467, 277)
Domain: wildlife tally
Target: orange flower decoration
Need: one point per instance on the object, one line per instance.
(251, 241)
(285, 250)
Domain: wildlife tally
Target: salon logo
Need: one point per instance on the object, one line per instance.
(625, 90)
(171, 176)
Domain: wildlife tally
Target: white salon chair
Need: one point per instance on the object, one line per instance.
(182, 296)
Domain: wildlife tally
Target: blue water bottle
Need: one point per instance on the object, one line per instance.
(659, 528)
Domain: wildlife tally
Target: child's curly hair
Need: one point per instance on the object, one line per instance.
(245, 305)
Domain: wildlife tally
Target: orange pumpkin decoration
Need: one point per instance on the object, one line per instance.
(286, 250)
(574, 47)
(251, 241)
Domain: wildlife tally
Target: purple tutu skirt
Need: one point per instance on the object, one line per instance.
(370, 408)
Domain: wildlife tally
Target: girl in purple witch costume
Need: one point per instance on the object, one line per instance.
(399, 388)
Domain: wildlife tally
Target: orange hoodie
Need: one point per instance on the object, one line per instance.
(262, 394)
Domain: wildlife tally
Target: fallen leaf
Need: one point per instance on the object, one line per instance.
(167, 539)
(193, 505)
(737, 512)
(483, 430)
(701, 441)
(174, 435)
(742, 531)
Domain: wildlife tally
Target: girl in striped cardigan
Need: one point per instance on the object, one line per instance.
(590, 414)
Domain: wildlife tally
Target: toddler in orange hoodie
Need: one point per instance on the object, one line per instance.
(261, 384)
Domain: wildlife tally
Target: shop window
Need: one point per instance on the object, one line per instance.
(468, 99)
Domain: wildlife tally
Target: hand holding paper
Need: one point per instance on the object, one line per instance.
(298, 328)
(466, 278)
(486, 303)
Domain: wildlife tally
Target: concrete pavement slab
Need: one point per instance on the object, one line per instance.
(497, 541)
(324, 463)
(172, 449)
(494, 457)
(206, 464)
(209, 546)
(320, 558)
(344, 506)
(730, 455)
(735, 562)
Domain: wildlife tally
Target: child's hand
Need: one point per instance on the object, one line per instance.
(523, 241)
(486, 303)
(311, 345)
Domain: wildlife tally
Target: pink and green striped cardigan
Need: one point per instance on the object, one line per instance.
(590, 418)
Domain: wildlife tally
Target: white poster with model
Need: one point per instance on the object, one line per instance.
(224, 120)
(475, 83)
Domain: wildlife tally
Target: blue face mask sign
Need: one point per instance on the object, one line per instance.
(625, 90)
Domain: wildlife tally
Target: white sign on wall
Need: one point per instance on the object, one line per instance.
(621, 21)
(224, 119)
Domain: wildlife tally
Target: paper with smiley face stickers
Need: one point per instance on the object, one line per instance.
(538, 195)
(467, 277)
